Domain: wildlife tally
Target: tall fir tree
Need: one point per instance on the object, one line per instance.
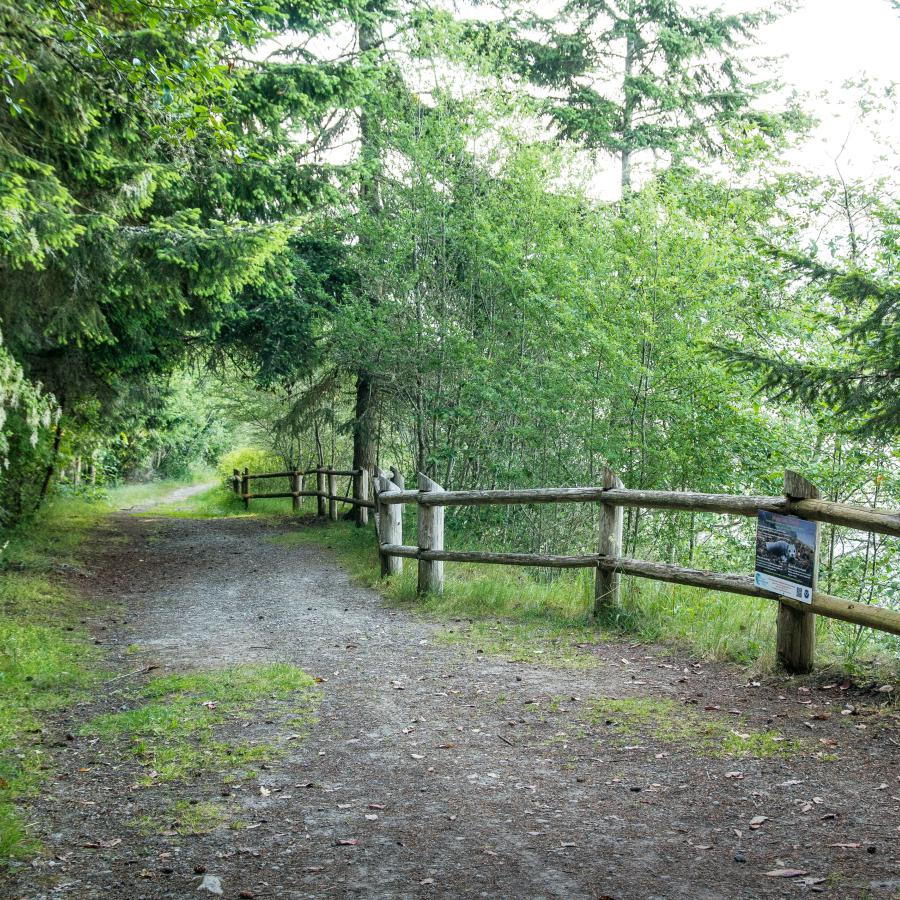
(632, 77)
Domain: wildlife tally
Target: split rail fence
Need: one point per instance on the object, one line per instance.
(796, 620)
(326, 492)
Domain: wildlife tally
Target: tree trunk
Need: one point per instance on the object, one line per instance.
(51, 466)
(628, 107)
(365, 444)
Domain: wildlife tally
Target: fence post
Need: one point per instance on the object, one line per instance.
(361, 492)
(245, 487)
(236, 481)
(332, 495)
(390, 527)
(796, 630)
(295, 490)
(431, 537)
(320, 490)
(607, 582)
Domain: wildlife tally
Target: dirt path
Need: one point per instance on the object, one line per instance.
(455, 774)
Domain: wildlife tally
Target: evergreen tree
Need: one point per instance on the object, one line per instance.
(646, 76)
(860, 378)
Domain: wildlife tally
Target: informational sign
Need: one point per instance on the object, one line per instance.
(786, 548)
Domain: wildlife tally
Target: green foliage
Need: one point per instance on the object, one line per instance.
(146, 190)
(256, 459)
(643, 76)
(861, 380)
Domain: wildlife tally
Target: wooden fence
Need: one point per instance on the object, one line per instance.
(796, 620)
(326, 490)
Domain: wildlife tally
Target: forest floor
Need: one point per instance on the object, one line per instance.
(419, 767)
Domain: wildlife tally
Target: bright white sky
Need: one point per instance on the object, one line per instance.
(824, 44)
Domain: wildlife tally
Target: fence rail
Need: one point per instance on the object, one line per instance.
(326, 490)
(796, 621)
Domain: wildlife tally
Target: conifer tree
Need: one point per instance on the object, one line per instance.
(627, 77)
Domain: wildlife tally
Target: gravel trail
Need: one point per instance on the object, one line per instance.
(450, 773)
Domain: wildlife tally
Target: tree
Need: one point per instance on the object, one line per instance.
(860, 379)
(135, 212)
(645, 76)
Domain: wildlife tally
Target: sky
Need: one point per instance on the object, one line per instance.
(824, 44)
(821, 45)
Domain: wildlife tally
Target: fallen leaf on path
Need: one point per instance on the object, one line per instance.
(211, 883)
(347, 842)
(376, 806)
(786, 873)
(757, 821)
(264, 791)
(845, 846)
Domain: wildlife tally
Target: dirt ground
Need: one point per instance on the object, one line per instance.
(433, 771)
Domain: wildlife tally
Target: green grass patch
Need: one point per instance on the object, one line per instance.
(559, 646)
(46, 659)
(668, 722)
(213, 503)
(179, 732)
(186, 818)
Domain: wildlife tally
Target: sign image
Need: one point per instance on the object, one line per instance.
(786, 548)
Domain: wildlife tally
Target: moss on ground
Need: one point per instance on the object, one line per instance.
(180, 731)
(185, 817)
(559, 646)
(674, 723)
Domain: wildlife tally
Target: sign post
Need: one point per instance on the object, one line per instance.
(787, 551)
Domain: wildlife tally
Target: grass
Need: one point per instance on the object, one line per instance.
(185, 817)
(46, 659)
(560, 646)
(179, 731)
(213, 503)
(668, 722)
